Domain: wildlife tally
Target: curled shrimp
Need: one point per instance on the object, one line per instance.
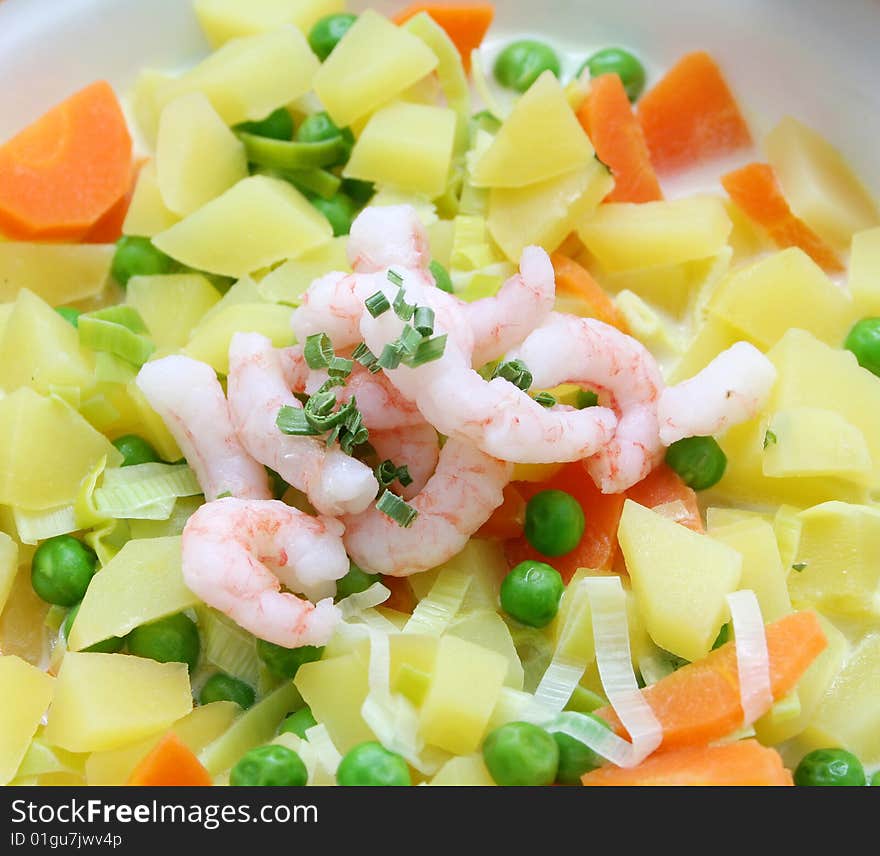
(587, 352)
(386, 236)
(459, 497)
(730, 390)
(190, 400)
(334, 482)
(237, 553)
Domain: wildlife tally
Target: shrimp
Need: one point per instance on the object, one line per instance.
(237, 553)
(386, 236)
(461, 495)
(591, 353)
(334, 482)
(731, 389)
(416, 446)
(189, 398)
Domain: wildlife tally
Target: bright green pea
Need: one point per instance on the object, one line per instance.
(62, 569)
(554, 522)
(69, 314)
(107, 646)
(360, 191)
(320, 127)
(355, 581)
(371, 764)
(576, 758)
(284, 662)
(135, 450)
(699, 461)
(269, 766)
(298, 723)
(521, 754)
(278, 125)
(622, 63)
(521, 63)
(328, 32)
(223, 687)
(824, 767)
(174, 639)
(339, 210)
(530, 593)
(864, 341)
(586, 398)
(138, 257)
(442, 279)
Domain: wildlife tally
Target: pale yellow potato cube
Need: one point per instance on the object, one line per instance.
(787, 525)
(625, 235)
(717, 518)
(465, 770)
(103, 701)
(539, 140)
(809, 441)
(288, 282)
(372, 64)
(654, 331)
(680, 578)
(488, 630)
(147, 214)
(464, 689)
(8, 567)
(26, 691)
(197, 156)
(222, 20)
(405, 145)
(818, 183)
(256, 223)
(250, 77)
(58, 273)
(864, 273)
(145, 102)
(713, 336)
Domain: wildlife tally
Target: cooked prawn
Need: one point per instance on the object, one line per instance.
(237, 553)
(334, 482)
(731, 389)
(461, 495)
(190, 400)
(386, 236)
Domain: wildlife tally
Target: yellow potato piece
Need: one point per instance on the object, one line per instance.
(103, 701)
(288, 282)
(58, 273)
(864, 272)
(408, 146)
(147, 214)
(488, 630)
(8, 567)
(466, 770)
(145, 102)
(222, 20)
(256, 223)
(27, 692)
(713, 336)
(197, 156)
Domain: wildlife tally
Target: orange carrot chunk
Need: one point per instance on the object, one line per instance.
(575, 280)
(664, 485)
(465, 24)
(402, 598)
(108, 229)
(617, 136)
(755, 189)
(691, 116)
(700, 702)
(508, 519)
(61, 174)
(170, 763)
(745, 762)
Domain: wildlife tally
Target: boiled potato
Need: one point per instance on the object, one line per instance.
(8, 567)
(864, 273)
(488, 630)
(147, 214)
(145, 102)
(58, 273)
(27, 691)
(288, 282)
(462, 771)
(222, 20)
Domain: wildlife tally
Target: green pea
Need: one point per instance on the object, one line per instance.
(576, 758)
(521, 754)
(360, 191)
(69, 314)
(371, 764)
(269, 766)
(135, 450)
(107, 646)
(355, 581)
(586, 398)
(320, 127)
(864, 341)
(699, 461)
(521, 63)
(278, 125)
(442, 279)
(554, 522)
(62, 569)
(223, 687)
(284, 662)
(530, 593)
(298, 723)
(138, 257)
(824, 767)
(620, 62)
(174, 639)
(339, 210)
(328, 32)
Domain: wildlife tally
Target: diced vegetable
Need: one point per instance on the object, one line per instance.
(466, 25)
(663, 486)
(58, 273)
(464, 770)
(145, 103)
(8, 567)
(222, 20)
(864, 272)
(28, 691)
(488, 630)
(575, 281)
(147, 214)
(289, 281)
(170, 763)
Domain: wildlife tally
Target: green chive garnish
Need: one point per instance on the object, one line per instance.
(545, 399)
(318, 351)
(799, 566)
(292, 420)
(441, 276)
(428, 351)
(395, 278)
(409, 340)
(390, 356)
(423, 320)
(516, 372)
(377, 304)
(387, 473)
(403, 310)
(770, 439)
(402, 513)
(340, 367)
(586, 398)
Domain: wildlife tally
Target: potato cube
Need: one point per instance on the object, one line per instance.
(58, 273)
(488, 630)
(27, 692)
(8, 567)
(465, 770)
(222, 20)
(147, 213)
(145, 102)
(864, 273)
(288, 282)
(713, 336)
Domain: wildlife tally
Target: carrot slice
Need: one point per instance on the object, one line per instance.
(691, 116)
(575, 280)
(745, 762)
(108, 229)
(601, 513)
(700, 702)
(755, 189)
(664, 485)
(507, 520)
(617, 136)
(402, 598)
(466, 24)
(61, 174)
(170, 763)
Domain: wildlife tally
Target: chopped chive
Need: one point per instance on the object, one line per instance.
(770, 439)
(403, 475)
(387, 473)
(227, 494)
(363, 355)
(586, 398)
(516, 372)
(799, 566)
(395, 278)
(441, 276)
(292, 420)
(423, 320)
(354, 432)
(390, 356)
(402, 513)
(545, 399)
(428, 351)
(403, 310)
(409, 340)
(340, 367)
(377, 304)
(318, 351)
